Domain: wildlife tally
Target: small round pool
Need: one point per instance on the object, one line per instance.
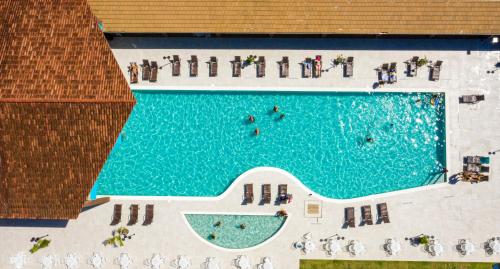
(235, 231)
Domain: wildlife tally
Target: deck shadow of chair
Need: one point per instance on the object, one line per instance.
(454, 179)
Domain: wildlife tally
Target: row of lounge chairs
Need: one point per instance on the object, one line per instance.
(283, 195)
(388, 73)
(471, 99)
(310, 68)
(411, 70)
(134, 214)
(366, 215)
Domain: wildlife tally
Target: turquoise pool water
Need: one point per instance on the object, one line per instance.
(198, 143)
(227, 230)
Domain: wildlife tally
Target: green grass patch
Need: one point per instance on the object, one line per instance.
(342, 264)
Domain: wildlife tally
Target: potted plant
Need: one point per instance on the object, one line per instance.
(43, 243)
(422, 61)
(116, 239)
(424, 240)
(340, 59)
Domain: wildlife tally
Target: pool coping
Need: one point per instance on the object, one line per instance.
(265, 242)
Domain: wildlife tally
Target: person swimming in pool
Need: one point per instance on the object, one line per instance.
(370, 140)
(282, 116)
(257, 131)
(251, 118)
(276, 109)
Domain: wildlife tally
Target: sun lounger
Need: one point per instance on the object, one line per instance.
(193, 66)
(148, 218)
(248, 196)
(470, 99)
(349, 217)
(176, 66)
(146, 70)
(383, 74)
(282, 193)
(366, 213)
(237, 66)
(117, 214)
(284, 67)
(317, 65)
(383, 214)
(134, 73)
(472, 159)
(411, 67)
(307, 68)
(266, 193)
(261, 67)
(483, 178)
(348, 67)
(484, 169)
(154, 71)
(436, 70)
(212, 67)
(134, 214)
(393, 73)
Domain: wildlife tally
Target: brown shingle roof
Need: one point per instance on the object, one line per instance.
(300, 16)
(63, 102)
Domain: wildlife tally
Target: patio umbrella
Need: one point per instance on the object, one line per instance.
(71, 261)
(394, 247)
(124, 261)
(211, 263)
(266, 264)
(356, 248)
(97, 261)
(19, 260)
(495, 245)
(243, 262)
(183, 262)
(467, 247)
(332, 246)
(436, 248)
(309, 246)
(48, 262)
(155, 261)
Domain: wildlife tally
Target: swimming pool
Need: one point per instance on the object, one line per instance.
(178, 143)
(226, 231)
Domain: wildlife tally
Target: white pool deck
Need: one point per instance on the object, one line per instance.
(448, 211)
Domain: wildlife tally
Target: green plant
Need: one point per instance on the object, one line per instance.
(424, 240)
(39, 245)
(340, 59)
(422, 61)
(116, 239)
